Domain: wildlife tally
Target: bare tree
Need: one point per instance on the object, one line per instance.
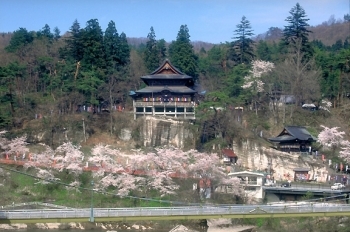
(301, 76)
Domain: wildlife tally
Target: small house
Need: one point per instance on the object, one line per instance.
(252, 182)
(229, 157)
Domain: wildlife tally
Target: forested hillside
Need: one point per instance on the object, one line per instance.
(270, 77)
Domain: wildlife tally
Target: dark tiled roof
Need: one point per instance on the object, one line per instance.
(172, 66)
(291, 133)
(299, 132)
(172, 89)
(282, 138)
(229, 153)
(166, 76)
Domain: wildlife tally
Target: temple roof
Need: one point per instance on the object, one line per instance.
(172, 89)
(293, 133)
(166, 71)
(166, 76)
(166, 66)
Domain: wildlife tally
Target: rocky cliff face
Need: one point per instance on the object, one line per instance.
(158, 132)
(282, 164)
(165, 131)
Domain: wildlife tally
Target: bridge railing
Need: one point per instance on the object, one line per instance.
(174, 211)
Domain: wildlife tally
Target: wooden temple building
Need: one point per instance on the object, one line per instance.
(169, 92)
(293, 139)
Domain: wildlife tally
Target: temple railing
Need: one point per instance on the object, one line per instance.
(180, 104)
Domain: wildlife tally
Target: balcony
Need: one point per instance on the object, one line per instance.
(179, 104)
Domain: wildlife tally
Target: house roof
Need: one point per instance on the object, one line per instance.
(245, 173)
(292, 133)
(229, 153)
(172, 89)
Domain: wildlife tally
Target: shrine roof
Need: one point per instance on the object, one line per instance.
(166, 76)
(291, 133)
(166, 65)
(173, 89)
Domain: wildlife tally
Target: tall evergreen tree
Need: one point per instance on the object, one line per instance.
(92, 40)
(19, 39)
(151, 54)
(124, 50)
(111, 44)
(74, 47)
(182, 54)
(45, 32)
(242, 46)
(161, 44)
(297, 29)
(56, 33)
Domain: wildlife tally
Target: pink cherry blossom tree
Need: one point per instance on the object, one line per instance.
(253, 81)
(16, 146)
(42, 162)
(330, 138)
(155, 169)
(325, 105)
(345, 151)
(49, 162)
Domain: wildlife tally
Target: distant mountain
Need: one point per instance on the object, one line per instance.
(328, 32)
(197, 45)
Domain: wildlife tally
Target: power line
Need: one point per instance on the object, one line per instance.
(97, 191)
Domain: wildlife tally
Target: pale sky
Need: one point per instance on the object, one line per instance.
(211, 21)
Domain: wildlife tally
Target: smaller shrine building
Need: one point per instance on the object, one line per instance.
(293, 139)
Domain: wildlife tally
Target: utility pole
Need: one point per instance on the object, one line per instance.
(92, 202)
(84, 130)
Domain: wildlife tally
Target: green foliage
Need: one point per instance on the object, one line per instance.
(234, 82)
(181, 53)
(242, 46)
(308, 196)
(111, 43)
(151, 53)
(19, 39)
(45, 32)
(296, 30)
(92, 41)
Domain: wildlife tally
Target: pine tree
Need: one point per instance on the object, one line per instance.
(19, 39)
(182, 54)
(123, 50)
(111, 44)
(57, 33)
(297, 29)
(151, 54)
(161, 44)
(92, 40)
(242, 46)
(74, 46)
(45, 32)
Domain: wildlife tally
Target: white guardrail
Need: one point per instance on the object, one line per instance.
(172, 211)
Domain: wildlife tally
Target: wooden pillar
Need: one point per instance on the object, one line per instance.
(134, 106)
